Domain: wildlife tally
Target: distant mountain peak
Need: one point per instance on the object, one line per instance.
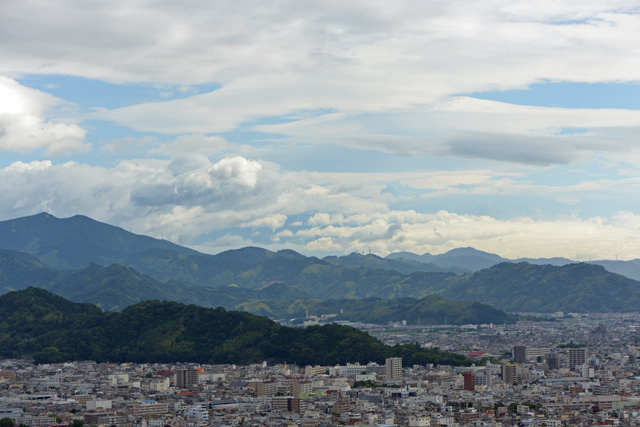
(69, 243)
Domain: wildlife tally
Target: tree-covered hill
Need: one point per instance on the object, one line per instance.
(118, 286)
(401, 265)
(19, 270)
(546, 288)
(54, 330)
(257, 269)
(432, 310)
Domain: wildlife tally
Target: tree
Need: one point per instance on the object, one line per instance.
(7, 422)
(77, 423)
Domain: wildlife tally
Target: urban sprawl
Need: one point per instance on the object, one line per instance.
(579, 370)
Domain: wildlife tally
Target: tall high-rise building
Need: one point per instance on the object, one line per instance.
(469, 380)
(577, 357)
(185, 378)
(394, 369)
(552, 360)
(509, 374)
(520, 353)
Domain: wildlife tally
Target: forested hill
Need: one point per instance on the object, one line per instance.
(115, 287)
(432, 310)
(35, 321)
(545, 288)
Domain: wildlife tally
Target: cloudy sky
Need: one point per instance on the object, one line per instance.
(329, 126)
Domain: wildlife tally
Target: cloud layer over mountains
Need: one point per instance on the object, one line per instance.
(328, 126)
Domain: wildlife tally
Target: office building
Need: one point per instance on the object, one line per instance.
(185, 378)
(577, 357)
(509, 374)
(394, 369)
(552, 360)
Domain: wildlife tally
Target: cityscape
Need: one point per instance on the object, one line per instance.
(285, 213)
(575, 370)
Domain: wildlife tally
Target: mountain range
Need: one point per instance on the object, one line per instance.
(470, 260)
(115, 269)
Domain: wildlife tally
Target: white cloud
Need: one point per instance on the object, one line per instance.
(272, 221)
(24, 126)
(148, 197)
(32, 166)
(518, 237)
(479, 129)
(406, 59)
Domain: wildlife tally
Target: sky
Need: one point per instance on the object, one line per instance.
(329, 127)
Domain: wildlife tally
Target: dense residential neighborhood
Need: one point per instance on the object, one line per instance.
(579, 370)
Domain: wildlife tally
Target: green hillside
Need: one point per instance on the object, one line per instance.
(546, 288)
(400, 265)
(54, 330)
(432, 310)
(118, 286)
(19, 270)
(256, 268)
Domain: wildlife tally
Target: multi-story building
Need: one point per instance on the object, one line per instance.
(101, 418)
(148, 408)
(519, 354)
(197, 413)
(523, 353)
(289, 404)
(8, 375)
(509, 374)
(185, 378)
(470, 380)
(36, 421)
(94, 404)
(577, 357)
(394, 369)
(312, 371)
(552, 360)
(267, 388)
(419, 421)
(12, 413)
(483, 378)
(374, 368)
(46, 382)
(296, 389)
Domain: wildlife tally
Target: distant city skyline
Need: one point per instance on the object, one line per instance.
(328, 128)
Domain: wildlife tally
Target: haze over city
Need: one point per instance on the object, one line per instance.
(329, 127)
